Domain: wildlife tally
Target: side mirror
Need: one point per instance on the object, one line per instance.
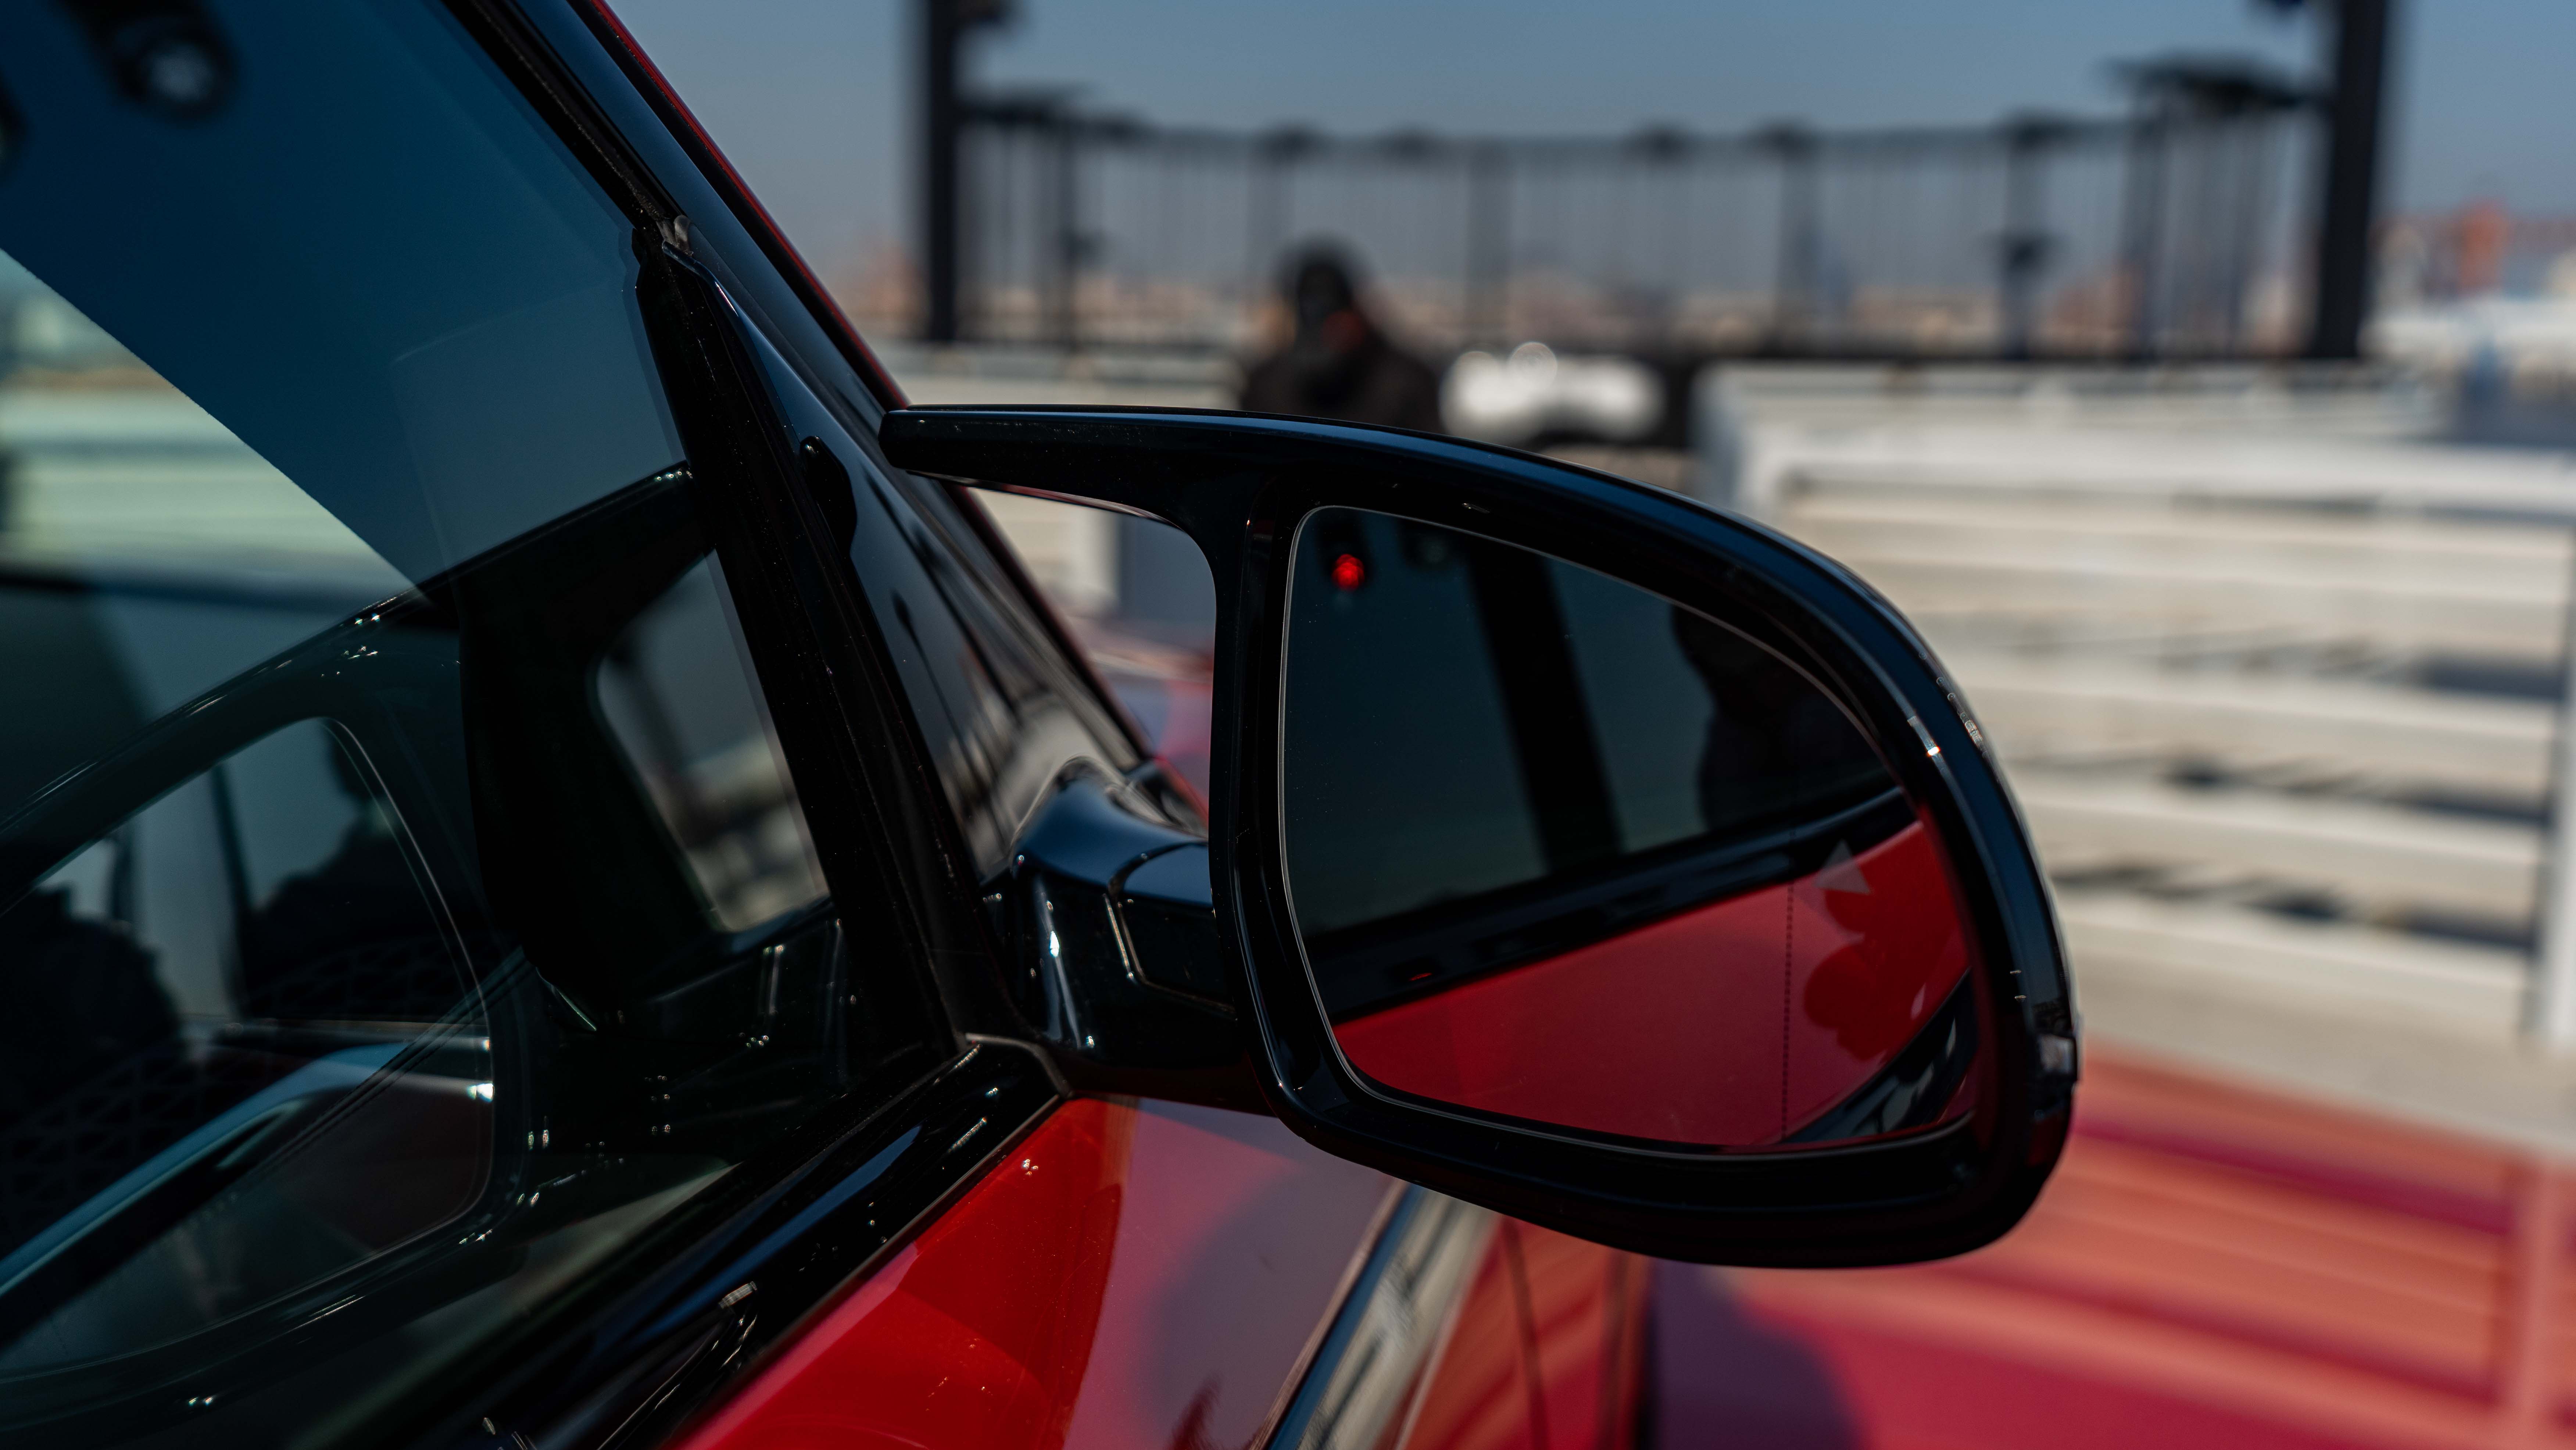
(1587, 854)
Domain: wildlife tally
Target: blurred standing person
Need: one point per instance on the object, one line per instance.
(1340, 364)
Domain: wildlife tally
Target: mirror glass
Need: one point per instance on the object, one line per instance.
(1565, 852)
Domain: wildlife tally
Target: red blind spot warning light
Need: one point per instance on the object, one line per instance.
(1348, 572)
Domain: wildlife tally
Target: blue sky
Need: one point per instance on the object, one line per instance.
(811, 98)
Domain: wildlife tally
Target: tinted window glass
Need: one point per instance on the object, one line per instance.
(1496, 717)
(404, 899)
(675, 691)
(397, 287)
(160, 982)
(1001, 706)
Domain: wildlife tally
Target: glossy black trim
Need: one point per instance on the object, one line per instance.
(613, 1363)
(838, 701)
(1100, 973)
(832, 698)
(879, 824)
(606, 101)
(645, 1339)
(1239, 485)
(784, 263)
(505, 35)
(13, 130)
(576, 65)
(1168, 912)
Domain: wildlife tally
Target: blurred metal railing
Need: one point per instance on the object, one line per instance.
(2169, 232)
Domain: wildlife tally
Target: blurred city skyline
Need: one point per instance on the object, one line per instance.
(814, 102)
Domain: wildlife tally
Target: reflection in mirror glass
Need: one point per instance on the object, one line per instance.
(1565, 852)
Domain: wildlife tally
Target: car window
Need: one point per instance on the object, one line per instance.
(160, 982)
(443, 353)
(405, 900)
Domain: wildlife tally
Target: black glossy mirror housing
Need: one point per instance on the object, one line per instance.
(1238, 485)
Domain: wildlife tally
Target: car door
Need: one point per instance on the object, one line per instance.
(505, 868)
(443, 936)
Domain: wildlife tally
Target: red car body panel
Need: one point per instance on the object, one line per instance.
(1855, 959)
(1478, 1396)
(1154, 1276)
(1127, 1276)
(1584, 1337)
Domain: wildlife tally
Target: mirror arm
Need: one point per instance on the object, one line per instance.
(1117, 969)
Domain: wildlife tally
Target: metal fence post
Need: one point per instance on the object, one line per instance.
(2143, 232)
(1067, 233)
(1489, 244)
(1802, 238)
(1267, 221)
(1858, 258)
(2350, 199)
(945, 111)
(2023, 249)
(1263, 224)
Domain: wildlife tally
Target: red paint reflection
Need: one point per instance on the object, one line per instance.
(1684, 1030)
